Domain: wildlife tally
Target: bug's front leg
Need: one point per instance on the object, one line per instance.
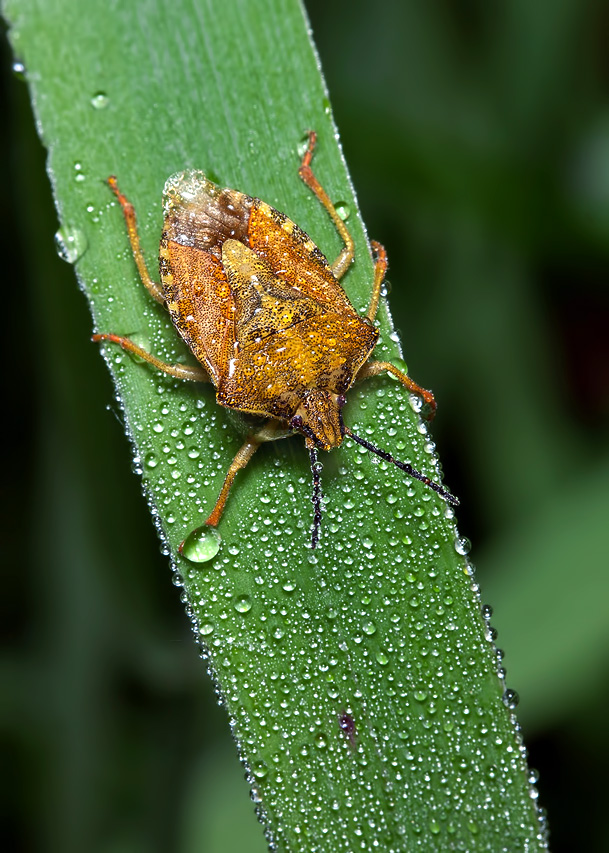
(373, 368)
(345, 258)
(242, 457)
(153, 287)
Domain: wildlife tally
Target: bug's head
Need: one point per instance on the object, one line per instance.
(318, 419)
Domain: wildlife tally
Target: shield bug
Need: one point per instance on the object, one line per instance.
(266, 317)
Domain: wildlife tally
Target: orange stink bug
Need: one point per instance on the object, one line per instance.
(265, 315)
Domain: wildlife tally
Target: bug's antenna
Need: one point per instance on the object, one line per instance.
(403, 466)
(316, 496)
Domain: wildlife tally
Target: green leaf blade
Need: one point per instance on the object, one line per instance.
(359, 680)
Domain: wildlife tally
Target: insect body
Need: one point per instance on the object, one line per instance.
(265, 315)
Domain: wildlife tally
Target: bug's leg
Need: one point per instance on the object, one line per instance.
(343, 261)
(195, 373)
(242, 457)
(153, 287)
(380, 268)
(373, 368)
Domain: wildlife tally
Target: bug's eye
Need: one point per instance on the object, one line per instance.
(296, 422)
(341, 400)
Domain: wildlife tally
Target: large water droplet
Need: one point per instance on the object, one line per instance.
(243, 604)
(259, 769)
(100, 101)
(511, 699)
(201, 545)
(70, 244)
(343, 209)
(463, 546)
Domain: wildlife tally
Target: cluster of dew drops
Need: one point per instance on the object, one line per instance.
(203, 545)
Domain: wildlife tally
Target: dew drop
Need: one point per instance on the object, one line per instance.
(201, 545)
(100, 101)
(321, 741)
(511, 699)
(303, 145)
(463, 546)
(343, 210)
(243, 604)
(259, 769)
(19, 69)
(70, 244)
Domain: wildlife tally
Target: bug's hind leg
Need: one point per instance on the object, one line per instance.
(373, 368)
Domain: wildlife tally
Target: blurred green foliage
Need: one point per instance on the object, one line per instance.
(478, 141)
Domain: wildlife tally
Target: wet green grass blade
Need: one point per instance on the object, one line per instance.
(359, 679)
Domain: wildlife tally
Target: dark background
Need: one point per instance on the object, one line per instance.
(477, 135)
